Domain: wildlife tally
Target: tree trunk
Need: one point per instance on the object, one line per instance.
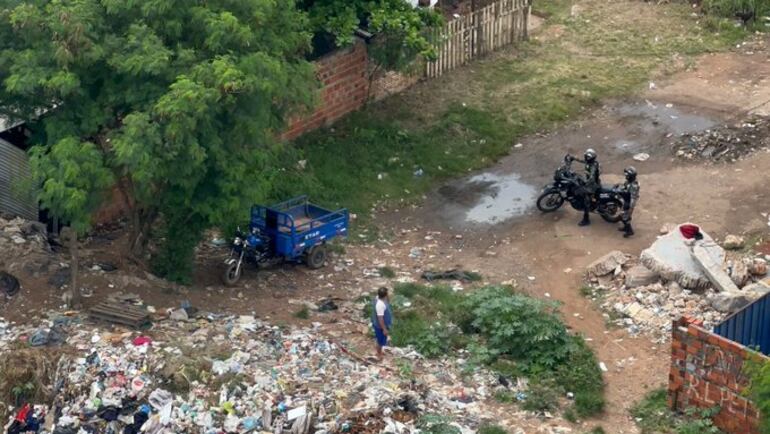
(74, 301)
(75, 270)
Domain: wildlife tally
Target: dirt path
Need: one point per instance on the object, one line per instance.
(546, 254)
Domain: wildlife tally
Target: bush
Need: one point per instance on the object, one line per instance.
(302, 313)
(543, 395)
(513, 334)
(758, 372)
(524, 328)
(731, 8)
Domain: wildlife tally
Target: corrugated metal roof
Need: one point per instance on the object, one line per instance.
(5, 124)
(749, 326)
(14, 170)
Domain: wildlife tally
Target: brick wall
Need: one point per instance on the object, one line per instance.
(706, 371)
(389, 83)
(344, 87)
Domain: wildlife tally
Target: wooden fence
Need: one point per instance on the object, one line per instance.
(479, 32)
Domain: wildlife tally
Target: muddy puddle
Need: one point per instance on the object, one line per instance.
(488, 198)
(648, 121)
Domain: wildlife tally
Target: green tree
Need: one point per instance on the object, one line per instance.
(172, 103)
(400, 29)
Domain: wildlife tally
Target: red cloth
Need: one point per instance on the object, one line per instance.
(21, 416)
(689, 231)
(142, 340)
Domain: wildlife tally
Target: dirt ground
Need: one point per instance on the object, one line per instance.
(487, 223)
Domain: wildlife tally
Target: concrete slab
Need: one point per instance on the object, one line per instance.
(671, 258)
(711, 263)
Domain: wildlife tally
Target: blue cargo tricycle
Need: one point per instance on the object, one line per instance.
(295, 230)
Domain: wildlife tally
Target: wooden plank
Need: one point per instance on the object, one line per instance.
(119, 313)
(119, 309)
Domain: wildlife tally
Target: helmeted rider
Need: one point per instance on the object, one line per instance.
(592, 182)
(630, 193)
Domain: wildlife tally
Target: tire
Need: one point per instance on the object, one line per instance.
(232, 274)
(316, 257)
(612, 211)
(550, 201)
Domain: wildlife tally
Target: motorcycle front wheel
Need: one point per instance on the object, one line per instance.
(232, 274)
(550, 201)
(611, 211)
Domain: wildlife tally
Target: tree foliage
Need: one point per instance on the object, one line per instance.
(171, 103)
(399, 27)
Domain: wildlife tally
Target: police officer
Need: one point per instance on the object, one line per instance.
(592, 182)
(630, 192)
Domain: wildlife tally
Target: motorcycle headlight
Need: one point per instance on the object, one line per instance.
(237, 241)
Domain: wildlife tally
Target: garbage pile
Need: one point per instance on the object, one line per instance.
(725, 143)
(225, 374)
(25, 247)
(668, 282)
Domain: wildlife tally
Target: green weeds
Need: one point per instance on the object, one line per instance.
(511, 333)
(652, 415)
(302, 313)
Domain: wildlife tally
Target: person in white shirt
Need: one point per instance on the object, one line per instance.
(382, 319)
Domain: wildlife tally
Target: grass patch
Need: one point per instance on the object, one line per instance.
(436, 424)
(387, 272)
(505, 397)
(597, 430)
(587, 291)
(511, 333)
(302, 313)
(652, 415)
(492, 429)
(26, 375)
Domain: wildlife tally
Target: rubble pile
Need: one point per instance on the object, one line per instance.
(668, 283)
(217, 374)
(725, 143)
(25, 247)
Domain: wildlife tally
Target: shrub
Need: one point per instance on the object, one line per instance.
(542, 396)
(524, 328)
(758, 372)
(387, 272)
(730, 8)
(302, 313)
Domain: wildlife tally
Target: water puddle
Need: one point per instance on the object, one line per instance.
(491, 198)
(667, 116)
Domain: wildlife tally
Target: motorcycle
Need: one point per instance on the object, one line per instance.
(567, 186)
(247, 247)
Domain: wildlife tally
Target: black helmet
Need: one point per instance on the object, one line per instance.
(590, 156)
(630, 173)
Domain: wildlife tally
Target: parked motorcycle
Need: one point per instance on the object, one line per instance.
(247, 247)
(567, 186)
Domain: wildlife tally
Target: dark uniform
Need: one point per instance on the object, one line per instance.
(630, 192)
(592, 183)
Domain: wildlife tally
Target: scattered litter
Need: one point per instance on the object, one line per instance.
(453, 274)
(725, 143)
(642, 156)
(327, 305)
